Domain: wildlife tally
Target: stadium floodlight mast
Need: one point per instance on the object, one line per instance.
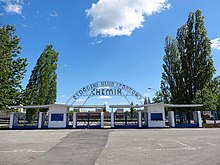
(156, 91)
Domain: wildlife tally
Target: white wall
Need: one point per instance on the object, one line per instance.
(156, 108)
(58, 109)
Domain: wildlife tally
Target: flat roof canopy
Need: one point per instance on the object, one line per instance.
(165, 105)
(87, 106)
(30, 106)
(64, 105)
(183, 105)
(125, 106)
(110, 106)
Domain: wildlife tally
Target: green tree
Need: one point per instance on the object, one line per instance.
(41, 88)
(172, 82)
(158, 97)
(217, 79)
(104, 109)
(147, 100)
(209, 95)
(188, 65)
(12, 67)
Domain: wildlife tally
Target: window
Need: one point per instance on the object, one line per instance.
(156, 116)
(57, 117)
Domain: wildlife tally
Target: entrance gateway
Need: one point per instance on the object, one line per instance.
(145, 116)
(105, 88)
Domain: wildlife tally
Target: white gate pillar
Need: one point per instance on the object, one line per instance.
(112, 120)
(41, 119)
(171, 119)
(102, 119)
(139, 119)
(74, 119)
(12, 118)
(197, 118)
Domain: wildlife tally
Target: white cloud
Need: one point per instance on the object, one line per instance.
(104, 97)
(215, 43)
(96, 42)
(111, 18)
(53, 13)
(99, 42)
(13, 6)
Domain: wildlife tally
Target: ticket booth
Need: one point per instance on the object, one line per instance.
(155, 115)
(58, 116)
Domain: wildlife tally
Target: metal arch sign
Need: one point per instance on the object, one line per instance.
(106, 88)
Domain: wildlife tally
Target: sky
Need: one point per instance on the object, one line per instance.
(105, 40)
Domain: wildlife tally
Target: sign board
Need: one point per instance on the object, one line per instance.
(106, 88)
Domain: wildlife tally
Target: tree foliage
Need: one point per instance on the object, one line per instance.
(209, 95)
(132, 110)
(41, 88)
(188, 65)
(12, 67)
(104, 108)
(172, 82)
(159, 97)
(147, 100)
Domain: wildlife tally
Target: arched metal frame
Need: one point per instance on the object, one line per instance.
(106, 88)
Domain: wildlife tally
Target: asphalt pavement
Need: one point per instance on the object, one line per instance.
(110, 146)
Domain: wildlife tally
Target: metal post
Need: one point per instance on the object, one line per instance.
(214, 117)
(102, 119)
(126, 119)
(74, 119)
(139, 119)
(112, 120)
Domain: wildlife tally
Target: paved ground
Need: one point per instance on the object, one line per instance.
(105, 147)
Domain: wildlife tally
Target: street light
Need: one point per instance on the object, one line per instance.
(157, 91)
(153, 89)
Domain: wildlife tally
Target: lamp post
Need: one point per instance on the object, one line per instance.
(156, 91)
(152, 89)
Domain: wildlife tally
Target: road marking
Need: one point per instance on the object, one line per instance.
(22, 150)
(204, 141)
(160, 145)
(176, 149)
(185, 146)
(27, 141)
(182, 144)
(211, 144)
